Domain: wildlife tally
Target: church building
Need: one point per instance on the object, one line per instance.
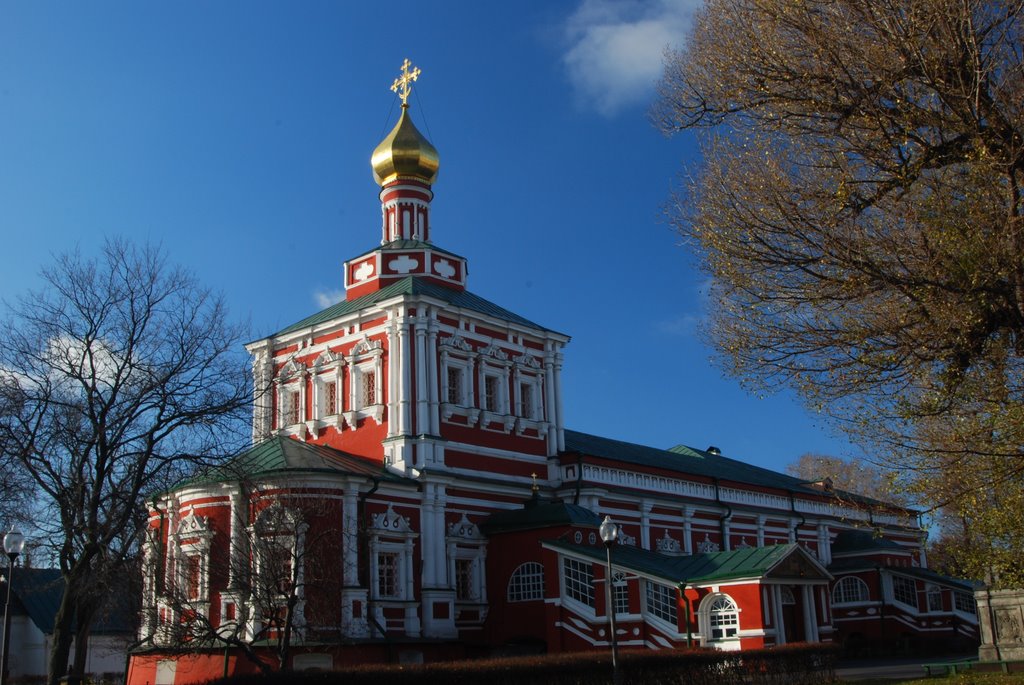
(413, 494)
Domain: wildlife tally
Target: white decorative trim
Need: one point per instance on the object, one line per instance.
(669, 545)
(391, 522)
(465, 529)
(707, 546)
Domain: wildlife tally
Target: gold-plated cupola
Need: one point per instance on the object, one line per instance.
(405, 152)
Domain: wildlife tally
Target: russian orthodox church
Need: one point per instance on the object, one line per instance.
(413, 493)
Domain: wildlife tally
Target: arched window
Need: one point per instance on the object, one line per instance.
(526, 583)
(720, 618)
(933, 593)
(849, 590)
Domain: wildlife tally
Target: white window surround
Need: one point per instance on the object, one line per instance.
(283, 528)
(660, 603)
(365, 358)
(933, 597)
(193, 537)
(291, 379)
(718, 619)
(457, 354)
(391, 533)
(465, 542)
(577, 585)
(528, 373)
(850, 590)
(904, 591)
(494, 364)
(526, 584)
(328, 368)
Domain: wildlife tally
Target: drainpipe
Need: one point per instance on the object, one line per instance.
(686, 613)
(725, 517)
(363, 546)
(803, 519)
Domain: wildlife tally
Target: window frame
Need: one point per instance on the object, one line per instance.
(841, 591)
(578, 582)
(901, 585)
(526, 584)
(661, 602)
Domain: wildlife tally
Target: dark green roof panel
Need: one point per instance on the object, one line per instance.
(411, 285)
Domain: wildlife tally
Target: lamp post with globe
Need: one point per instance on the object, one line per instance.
(14, 542)
(609, 534)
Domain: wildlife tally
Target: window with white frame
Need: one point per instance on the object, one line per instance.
(277, 543)
(661, 601)
(389, 575)
(578, 577)
(933, 595)
(525, 408)
(904, 590)
(292, 406)
(850, 590)
(194, 535)
(329, 393)
(455, 388)
(723, 619)
(526, 583)
(620, 593)
(492, 393)
(365, 397)
(466, 552)
(391, 545)
(291, 381)
(963, 601)
(327, 370)
(465, 585)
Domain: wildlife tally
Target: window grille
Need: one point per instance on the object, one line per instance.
(455, 385)
(464, 579)
(620, 593)
(368, 381)
(964, 602)
(661, 601)
(491, 390)
(579, 581)
(330, 398)
(904, 590)
(723, 619)
(849, 590)
(387, 575)
(526, 583)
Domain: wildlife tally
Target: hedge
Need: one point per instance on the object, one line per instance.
(790, 665)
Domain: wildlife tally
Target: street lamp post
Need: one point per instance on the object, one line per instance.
(14, 542)
(609, 534)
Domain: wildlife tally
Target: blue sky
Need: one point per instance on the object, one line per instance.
(237, 134)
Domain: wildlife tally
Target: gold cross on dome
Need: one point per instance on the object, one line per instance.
(403, 84)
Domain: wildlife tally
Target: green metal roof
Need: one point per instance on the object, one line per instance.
(538, 513)
(683, 459)
(280, 453)
(413, 286)
(750, 562)
(860, 541)
(843, 566)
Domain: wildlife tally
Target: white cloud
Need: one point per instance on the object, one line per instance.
(616, 48)
(326, 298)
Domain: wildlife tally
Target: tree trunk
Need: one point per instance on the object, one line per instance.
(62, 636)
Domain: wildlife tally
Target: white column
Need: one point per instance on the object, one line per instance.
(432, 379)
(405, 386)
(761, 520)
(394, 371)
(559, 415)
(422, 418)
(440, 550)
(780, 621)
(810, 617)
(824, 545)
(793, 537)
(350, 535)
(236, 551)
(645, 525)
(549, 402)
(688, 530)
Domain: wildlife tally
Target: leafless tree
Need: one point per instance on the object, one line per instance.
(280, 561)
(116, 379)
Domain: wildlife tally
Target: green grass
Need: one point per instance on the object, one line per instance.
(958, 679)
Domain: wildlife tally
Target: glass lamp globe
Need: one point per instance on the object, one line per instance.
(14, 542)
(609, 530)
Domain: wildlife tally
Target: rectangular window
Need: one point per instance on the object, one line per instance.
(964, 602)
(904, 590)
(368, 381)
(579, 581)
(277, 567)
(492, 388)
(293, 407)
(455, 375)
(724, 625)
(464, 580)
(526, 400)
(193, 576)
(661, 601)
(330, 398)
(387, 575)
(620, 593)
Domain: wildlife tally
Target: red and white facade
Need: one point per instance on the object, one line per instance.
(443, 510)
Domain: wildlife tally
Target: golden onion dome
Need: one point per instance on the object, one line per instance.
(405, 152)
